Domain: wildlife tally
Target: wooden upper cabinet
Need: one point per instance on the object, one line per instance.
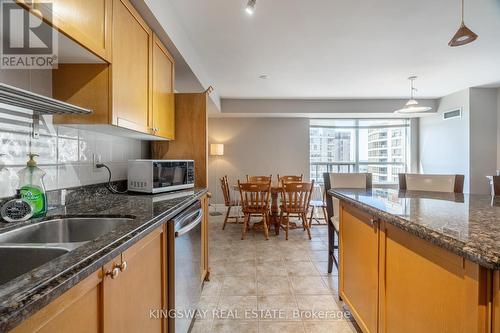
(359, 246)
(135, 90)
(131, 69)
(137, 288)
(163, 91)
(87, 22)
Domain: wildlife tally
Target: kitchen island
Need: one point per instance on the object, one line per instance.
(415, 261)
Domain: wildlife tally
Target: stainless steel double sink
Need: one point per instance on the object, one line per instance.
(28, 247)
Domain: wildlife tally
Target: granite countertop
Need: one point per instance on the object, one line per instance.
(468, 225)
(22, 297)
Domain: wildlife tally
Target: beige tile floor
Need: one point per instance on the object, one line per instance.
(270, 286)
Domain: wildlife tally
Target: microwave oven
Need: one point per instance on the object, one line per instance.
(157, 176)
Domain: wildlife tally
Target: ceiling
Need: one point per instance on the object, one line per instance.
(342, 48)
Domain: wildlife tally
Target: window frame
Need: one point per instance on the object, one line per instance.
(356, 164)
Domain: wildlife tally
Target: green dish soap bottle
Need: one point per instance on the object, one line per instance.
(32, 187)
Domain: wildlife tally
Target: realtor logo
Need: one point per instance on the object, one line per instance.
(27, 41)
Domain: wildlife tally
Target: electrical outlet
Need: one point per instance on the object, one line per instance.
(63, 197)
(96, 158)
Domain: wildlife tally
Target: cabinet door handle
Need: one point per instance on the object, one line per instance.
(374, 223)
(122, 267)
(113, 273)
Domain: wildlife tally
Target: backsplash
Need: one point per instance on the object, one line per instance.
(66, 154)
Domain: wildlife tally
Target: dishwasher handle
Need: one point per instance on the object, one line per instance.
(184, 230)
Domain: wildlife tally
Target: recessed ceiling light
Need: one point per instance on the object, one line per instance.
(250, 8)
(263, 76)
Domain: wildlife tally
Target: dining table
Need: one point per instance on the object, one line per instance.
(274, 212)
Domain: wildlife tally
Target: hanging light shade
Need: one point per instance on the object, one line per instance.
(464, 35)
(412, 105)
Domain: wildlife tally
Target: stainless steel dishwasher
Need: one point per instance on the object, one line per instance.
(184, 268)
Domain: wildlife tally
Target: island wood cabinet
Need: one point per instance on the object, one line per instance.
(395, 282)
(135, 90)
(86, 22)
(496, 302)
(359, 244)
(116, 298)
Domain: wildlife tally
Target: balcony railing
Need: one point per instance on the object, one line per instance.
(318, 168)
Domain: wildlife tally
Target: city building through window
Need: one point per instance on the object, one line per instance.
(378, 146)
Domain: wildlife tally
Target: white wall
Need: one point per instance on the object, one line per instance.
(483, 137)
(258, 146)
(444, 144)
(468, 145)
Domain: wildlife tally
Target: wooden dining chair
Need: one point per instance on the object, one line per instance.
(339, 180)
(255, 202)
(431, 183)
(295, 201)
(229, 203)
(254, 179)
(287, 179)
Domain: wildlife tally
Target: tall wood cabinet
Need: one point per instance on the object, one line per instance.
(191, 139)
(205, 268)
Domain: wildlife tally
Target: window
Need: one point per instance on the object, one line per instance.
(378, 146)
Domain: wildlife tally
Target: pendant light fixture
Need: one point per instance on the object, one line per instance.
(412, 105)
(464, 35)
(250, 8)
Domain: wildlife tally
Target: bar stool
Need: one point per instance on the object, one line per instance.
(318, 201)
(431, 183)
(339, 180)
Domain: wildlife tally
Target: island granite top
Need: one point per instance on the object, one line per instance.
(25, 295)
(468, 225)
